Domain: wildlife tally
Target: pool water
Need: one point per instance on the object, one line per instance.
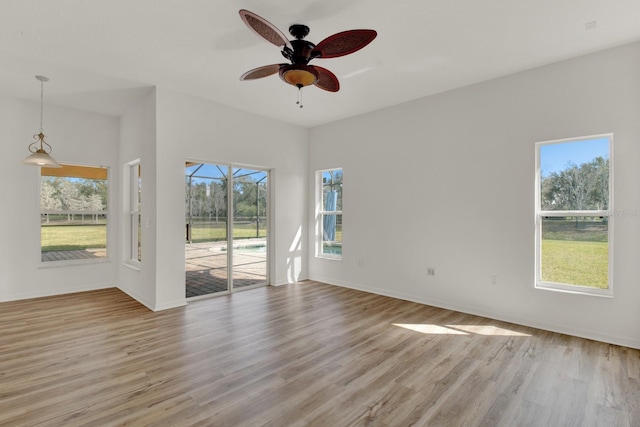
(332, 248)
(253, 248)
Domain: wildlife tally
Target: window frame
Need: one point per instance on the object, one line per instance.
(321, 213)
(540, 214)
(106, 213)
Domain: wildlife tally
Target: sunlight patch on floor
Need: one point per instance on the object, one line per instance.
(430, 329)
(487, 330)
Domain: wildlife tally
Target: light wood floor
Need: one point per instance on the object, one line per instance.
(305, 354)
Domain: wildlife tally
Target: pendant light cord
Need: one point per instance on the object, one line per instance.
(41, 103)
(40, 136)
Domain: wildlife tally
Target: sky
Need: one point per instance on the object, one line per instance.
(219, 171)
(556, 157)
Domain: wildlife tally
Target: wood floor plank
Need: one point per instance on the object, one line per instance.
(305, 354)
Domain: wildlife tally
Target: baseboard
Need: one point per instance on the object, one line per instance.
(138, 298)
(576, 332)
(153, 306)
(171, 304)
(38, 294)
(287, 281)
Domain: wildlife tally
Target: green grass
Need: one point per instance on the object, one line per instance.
(216, 231)
(565, 229)
(569, 255)
(575, 262)
(575, 254)
(77, 237)
(73, 237)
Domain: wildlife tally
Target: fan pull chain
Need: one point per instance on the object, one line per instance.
(299, 101)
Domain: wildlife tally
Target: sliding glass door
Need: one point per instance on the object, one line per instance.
(250, 207)
(226, 228)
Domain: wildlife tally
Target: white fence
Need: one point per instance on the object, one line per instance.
(73, 217)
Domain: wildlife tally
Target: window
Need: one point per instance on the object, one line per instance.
(574, 224)
(330, 213)
(134, 252)
(73, 213)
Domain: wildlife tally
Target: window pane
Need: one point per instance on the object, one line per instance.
(135, 204)
(575, 175)
(332, 190)
(206, 208)
(575, 251)
(138, 204)
(332, 234)
(139, 243)
(73, 207)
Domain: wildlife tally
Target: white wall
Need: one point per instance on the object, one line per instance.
(77, 137)
(162, 130)
(138, 141)
(468, 153)
(190, 128)
(469, 156)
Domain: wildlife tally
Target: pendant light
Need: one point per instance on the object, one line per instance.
(39, 148)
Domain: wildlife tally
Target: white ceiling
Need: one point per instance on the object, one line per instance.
(102, 54)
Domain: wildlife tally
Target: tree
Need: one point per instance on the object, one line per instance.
(584, 187)
(59, 193)
(48, 195)
(244, 197)
(218, 197)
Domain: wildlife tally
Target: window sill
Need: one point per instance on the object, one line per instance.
(329, 257)
(576, 290)
(72, 263)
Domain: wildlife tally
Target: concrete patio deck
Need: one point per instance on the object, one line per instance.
(72, 255)
(205, 264)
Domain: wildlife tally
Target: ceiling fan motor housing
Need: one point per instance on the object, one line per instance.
(301, 53)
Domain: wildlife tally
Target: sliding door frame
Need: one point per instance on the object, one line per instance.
(230, 225)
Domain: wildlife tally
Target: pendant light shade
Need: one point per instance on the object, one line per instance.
(39, 148)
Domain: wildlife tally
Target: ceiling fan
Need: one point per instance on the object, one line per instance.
(299, 51)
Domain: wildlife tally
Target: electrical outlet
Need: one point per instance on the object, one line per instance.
(431, 271)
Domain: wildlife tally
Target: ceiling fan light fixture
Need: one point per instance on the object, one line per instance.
(299, 75)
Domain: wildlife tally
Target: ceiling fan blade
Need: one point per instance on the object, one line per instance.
(326, 80)
(260, 72)
(265, 29)
(343, 43)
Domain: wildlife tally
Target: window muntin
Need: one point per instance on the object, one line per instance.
(330, 213)
(73, 213)
(573, 215)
